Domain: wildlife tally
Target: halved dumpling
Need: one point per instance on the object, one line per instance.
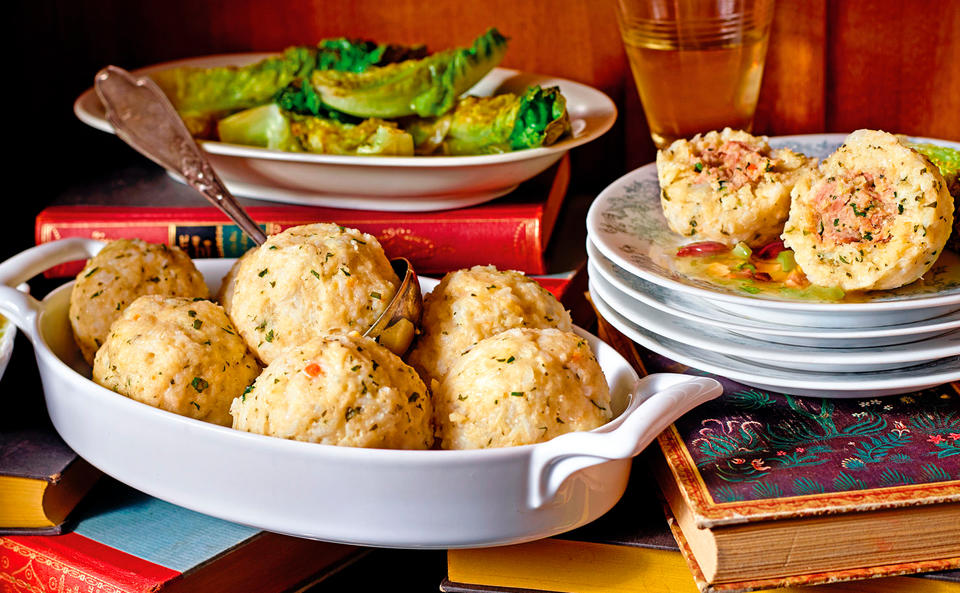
(874, 216)
(728, 187)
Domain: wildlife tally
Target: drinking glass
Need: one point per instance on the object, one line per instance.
(697, 63)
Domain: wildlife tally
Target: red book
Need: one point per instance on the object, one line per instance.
(510, 233)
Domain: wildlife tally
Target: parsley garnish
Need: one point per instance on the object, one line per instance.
(199, 384)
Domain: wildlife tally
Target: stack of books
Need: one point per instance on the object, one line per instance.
(763, 491)
(124, 541)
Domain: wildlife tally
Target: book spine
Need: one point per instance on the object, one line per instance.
(72, 562)
(507, 237)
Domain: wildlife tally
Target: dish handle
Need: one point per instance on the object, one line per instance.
(660, 399)
(21, 308)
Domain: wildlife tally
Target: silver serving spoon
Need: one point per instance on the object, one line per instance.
(143, 117)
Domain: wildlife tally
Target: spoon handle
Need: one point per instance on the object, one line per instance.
(144, 118)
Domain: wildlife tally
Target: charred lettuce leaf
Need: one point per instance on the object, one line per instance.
(204, 95)
(427, 87)
(231, 88)
(485, 125)
(299, 97)
(369, 137)
(357, 55)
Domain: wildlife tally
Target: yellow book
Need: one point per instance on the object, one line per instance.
(41, 481)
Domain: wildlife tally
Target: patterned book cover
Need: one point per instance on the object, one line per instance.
(754, 455)
(511, 232)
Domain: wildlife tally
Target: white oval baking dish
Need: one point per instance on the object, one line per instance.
(389, 498)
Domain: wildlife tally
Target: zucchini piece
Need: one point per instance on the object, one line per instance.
(428, 87)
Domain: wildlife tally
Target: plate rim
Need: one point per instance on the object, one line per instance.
(777, 352)
(763, 327)
(607, 117)
(802, 382)
(592, 223)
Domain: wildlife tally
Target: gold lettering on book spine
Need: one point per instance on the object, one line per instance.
(403, 242)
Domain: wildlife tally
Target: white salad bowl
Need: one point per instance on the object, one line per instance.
(389, 498)
(397, 183)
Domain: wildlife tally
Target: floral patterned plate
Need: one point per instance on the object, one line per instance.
(702, 311)
(791, 382)
(626, 224)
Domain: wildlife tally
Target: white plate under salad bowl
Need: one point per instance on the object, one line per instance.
(787, 356)
(411, 184)
(626, 224)
(389, 498)
(780, 380)
(704, 312)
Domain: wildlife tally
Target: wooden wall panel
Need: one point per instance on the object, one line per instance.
(793, 92)
(894, 65)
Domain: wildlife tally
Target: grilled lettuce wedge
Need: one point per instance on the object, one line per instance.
(427, 87)
(486, 125)
(204, 95)
(266, 126)
(370, 137)
(269, 126)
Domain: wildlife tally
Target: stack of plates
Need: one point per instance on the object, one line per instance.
(887, 342)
